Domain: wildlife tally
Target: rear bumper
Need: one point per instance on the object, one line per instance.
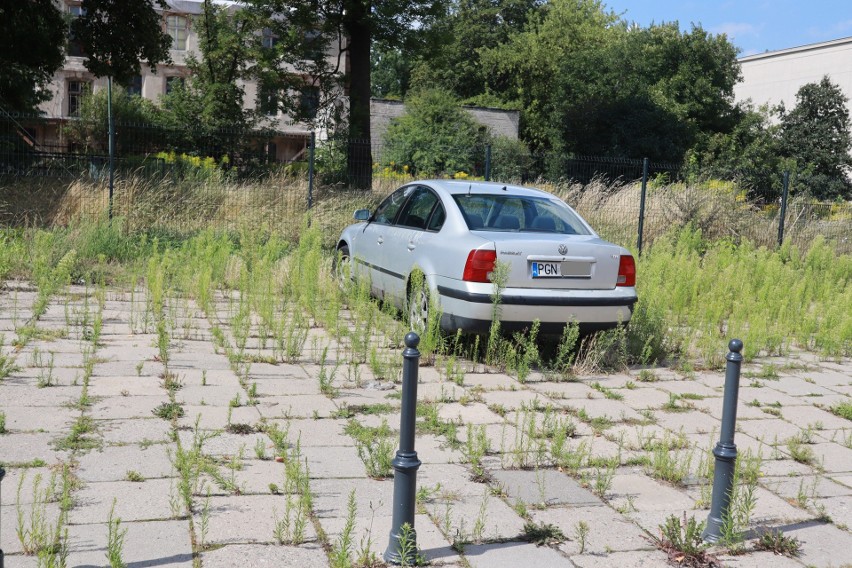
(471, 309)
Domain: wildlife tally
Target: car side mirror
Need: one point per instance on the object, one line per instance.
(362, 215)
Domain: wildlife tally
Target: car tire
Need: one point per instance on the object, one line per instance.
(342, 267)
(418, 308)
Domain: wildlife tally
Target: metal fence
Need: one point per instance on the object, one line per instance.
(177, 181)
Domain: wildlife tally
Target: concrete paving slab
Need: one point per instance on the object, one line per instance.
(510, 554)
(8, 535)
(299, 406)
(125, 407)
(496, 520)
(21, 448)
(513, 400)
(823, 544)
(216, 417)
(639, 492)
(474, 413)
(608, 531)
(134, 431)
(111, 463)
(286, 386)
(109, 386)
(543, 487)
(567, 390)
(36, 419)
(645, 559)
(265, 556)
(29, 395)
(690, 422)
(158, 543)
(9, 489)
(615, 410)
(833, 458)
(808, 415)
(333, 461)
(439, 392)
(247, 519)
(134, 501)
(490, 381)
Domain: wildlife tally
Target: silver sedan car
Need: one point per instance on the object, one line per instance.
(555, 268)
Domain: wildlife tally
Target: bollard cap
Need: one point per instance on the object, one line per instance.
(735, 345)
(412, 340)
(2, 473)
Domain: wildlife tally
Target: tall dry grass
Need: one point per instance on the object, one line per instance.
(278, 204)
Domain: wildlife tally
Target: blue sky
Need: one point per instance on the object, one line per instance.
(754, 27)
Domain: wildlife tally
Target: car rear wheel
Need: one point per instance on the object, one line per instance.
(418, 308)
(343, 267)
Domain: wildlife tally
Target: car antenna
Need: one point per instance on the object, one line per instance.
(504, 188)
(469, 186)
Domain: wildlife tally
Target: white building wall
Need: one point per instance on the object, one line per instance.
(775, 77)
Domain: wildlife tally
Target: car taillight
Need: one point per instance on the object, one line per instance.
(480, 263)
(626, 271)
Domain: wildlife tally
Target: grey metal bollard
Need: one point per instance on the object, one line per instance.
(2, 475)
(403, 547)
(725, 451)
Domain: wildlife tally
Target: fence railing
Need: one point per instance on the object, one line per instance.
(271, 178)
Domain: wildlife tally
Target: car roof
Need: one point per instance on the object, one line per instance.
(455, 187)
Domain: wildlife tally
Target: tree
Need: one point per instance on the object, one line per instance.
(749, 154)
(352, 25)
(434, 136)
(34, 34)
(646, 92)
(209, 110)
(129, 111)
(117, 35)
(816, 133)
(530, 62)
(451, 57)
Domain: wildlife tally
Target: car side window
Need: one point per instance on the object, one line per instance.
(386, 212)
(417, 210)
(436, 221)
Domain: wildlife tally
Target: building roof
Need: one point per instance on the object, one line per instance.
(794, 50)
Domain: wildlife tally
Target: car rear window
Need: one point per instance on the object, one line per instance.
(526, 214)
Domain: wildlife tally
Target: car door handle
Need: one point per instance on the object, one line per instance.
(380, 240)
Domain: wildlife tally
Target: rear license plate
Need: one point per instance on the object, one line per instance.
(546, 269)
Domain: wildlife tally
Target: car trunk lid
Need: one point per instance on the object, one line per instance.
(561, 262)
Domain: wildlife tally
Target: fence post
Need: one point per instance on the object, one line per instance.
(311, 170)
(642, 204)
(488, 162)
(725, 451)
(111, 127)
(784, 193)
(402, 548)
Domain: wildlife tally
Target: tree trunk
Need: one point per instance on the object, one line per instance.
(359, 158)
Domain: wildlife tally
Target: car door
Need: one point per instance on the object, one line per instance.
(369, 254)
(414, 228)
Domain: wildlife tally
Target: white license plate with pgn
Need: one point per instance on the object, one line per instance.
(546, 269)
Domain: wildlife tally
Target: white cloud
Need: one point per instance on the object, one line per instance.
(736, 29)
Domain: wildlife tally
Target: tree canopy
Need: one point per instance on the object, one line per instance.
(117, 35)
(34, 34)
(816, 134)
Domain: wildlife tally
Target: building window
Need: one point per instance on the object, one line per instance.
(177, 28)
(75, 48)
(76, 90)
(173, 83)
(134, 87)
(312, 44)
(309, 102)
(269, 39)
(267, 99)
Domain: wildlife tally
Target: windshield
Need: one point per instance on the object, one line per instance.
(526, 214)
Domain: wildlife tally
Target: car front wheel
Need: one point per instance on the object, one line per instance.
(343, 267)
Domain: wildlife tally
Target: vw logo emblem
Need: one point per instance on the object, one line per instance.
(563, 249)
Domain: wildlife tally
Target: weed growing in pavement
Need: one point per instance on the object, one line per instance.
(682, 541)
(36, 533)
(134, 476)
(2, 422)
(341, 550)
(7, 361)
(115, 539)
(778, 542)
(80, 437)
(543, 533)
(743, 501)
(169, 411)
(475, 448)
(581, 531)
(375, 447)
(842, 409)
